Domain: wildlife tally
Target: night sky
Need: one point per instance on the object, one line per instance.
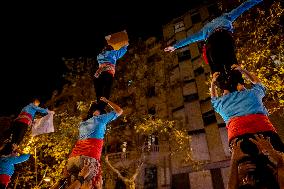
(35, 37)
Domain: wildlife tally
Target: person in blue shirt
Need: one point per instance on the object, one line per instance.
(7, 162)
(17, 131)
(219, 49)
(90, 141)
(244, 112)
(245, 116)
(105, 73)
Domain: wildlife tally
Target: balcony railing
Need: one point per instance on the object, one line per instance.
(132, 155)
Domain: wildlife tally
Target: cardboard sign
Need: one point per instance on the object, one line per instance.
(117, 40)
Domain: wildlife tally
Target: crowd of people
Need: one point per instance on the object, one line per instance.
(257, 159)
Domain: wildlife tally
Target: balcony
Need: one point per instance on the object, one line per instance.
(126, 158)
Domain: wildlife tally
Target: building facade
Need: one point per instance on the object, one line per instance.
(175, 87)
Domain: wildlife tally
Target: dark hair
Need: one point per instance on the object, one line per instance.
(108, 48)
(93, 107)
(263, 174)
(231, 80)
(7, 150)
(247, 187)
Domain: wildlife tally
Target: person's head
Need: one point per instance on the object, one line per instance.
(233, 81)
(7, 151)
(256, 172)
(94, 110)
(237, 81)
(247, 172)
(36, 102)
(108, 48)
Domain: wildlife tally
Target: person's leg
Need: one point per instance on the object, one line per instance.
(108, 79)
(222, 49)
(99, 84)
(221, 56)
(18, 132)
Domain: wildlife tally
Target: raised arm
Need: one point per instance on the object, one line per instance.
(119, 53)
(41, 110)
(21, 158)
(237, 155)
(190, 39)
(265, 147)
(251, 77)
(213, 88)
(235, 13)
(114, 106)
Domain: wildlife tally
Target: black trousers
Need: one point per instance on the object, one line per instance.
(250, 148)
(103, 85)
(220, 52)
(2, 186)
(19, 130)
(17, 133)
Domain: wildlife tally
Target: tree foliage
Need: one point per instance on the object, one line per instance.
(259, 41)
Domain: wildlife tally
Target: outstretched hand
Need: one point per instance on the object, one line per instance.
(237, 152)
(265, 147)
(169, 49)
(104, 99)
(87, 169)
(215, 76)
(15, 147)
(236, 67)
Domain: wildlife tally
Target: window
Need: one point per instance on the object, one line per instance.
(180, 181)
(179, 27)
(154, 58)
(184, 55)
(190, 98)
(198, 71)
(200, 179)
(151, 179)
(209, 117)
(199, 147)
(177, 109)
(152, 111)
(196, 18)
(217, 178)
(224, 138)
(151, 92)
(225, 172)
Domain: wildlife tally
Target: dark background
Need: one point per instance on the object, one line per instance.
(35, 37)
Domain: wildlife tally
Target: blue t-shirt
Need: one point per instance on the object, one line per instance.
(95, 127)
(32, 109)
(111, 56)
(224, 21)
(240, 103)
(7, 163)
